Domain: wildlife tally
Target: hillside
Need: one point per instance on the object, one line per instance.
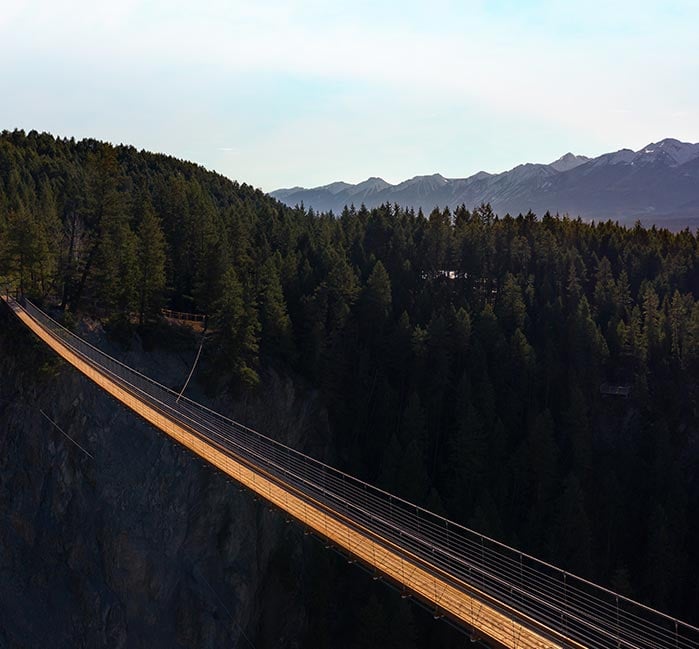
(463, 361)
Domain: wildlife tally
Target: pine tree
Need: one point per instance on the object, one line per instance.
(277, 337)
(678, 319)
(377, 295)
(238, 331)
(652, 322)
(573, 287)
(151, 258)
(461, 334)
(622, 294)
(116, 270)
(342, 290)
(104, 216)
(28, 258)
(511, 309)
(605, 293)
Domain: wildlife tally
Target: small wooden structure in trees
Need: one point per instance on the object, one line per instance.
(615, 390)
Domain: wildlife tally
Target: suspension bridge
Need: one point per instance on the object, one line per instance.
(495, 593)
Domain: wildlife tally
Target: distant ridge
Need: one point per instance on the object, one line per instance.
(658, 184)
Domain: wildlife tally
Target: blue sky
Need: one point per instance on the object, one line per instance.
(304, 92)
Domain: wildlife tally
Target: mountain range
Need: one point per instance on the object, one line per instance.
(658, 184)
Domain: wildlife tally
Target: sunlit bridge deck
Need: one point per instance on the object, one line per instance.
(492, 591)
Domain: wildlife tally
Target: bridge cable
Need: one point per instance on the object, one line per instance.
(30, 407)
(92, 457)
(186, 383)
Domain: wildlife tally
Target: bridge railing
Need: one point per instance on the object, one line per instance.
(183, 316)
(534, 592)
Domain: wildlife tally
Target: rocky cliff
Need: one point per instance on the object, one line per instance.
(133, 542)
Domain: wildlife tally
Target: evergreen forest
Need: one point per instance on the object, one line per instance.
(533, 377)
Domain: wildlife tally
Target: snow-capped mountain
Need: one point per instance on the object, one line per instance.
(670, 152)
(659, 183)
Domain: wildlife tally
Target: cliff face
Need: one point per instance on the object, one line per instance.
(140, 545)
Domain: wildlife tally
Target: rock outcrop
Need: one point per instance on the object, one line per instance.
(138, 544)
